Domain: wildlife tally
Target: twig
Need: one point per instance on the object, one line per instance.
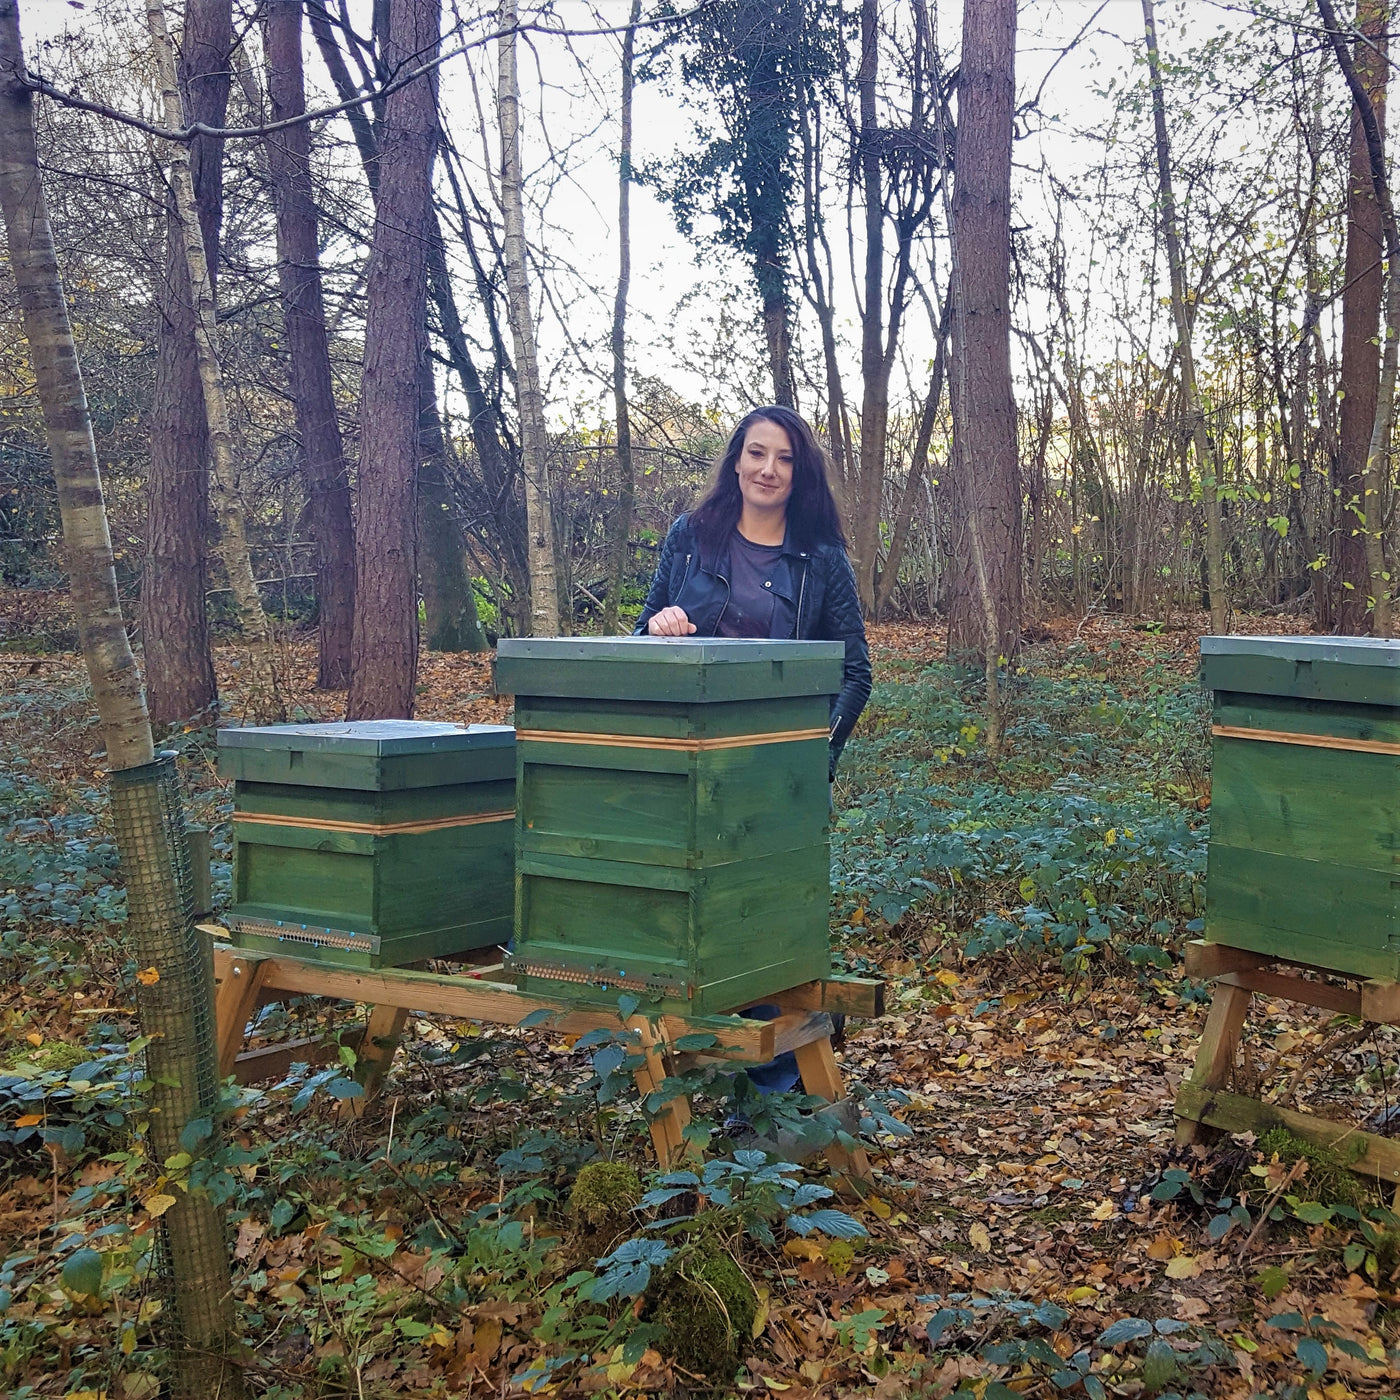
(1294, 1172)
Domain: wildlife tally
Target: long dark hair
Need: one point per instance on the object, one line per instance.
(812, 517)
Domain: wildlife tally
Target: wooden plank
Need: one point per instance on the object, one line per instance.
(669, 1123)
(1314, 741)
(1380, 1001)
(1337, 808)
(316, 823)
(851, 996)
(1308, 716)
(201, 883)
(1346, 1000)
(1365, 1153)
(474, 999)
(239, 979)
(1206, 960)
(821, 1075)
(275, 1061)
(1336, 917)
(1220, 1043)
(376, 1054)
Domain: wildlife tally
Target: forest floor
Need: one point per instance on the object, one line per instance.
(1032, 1229)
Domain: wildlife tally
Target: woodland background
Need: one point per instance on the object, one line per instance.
(1193, 302)
(1105, 357)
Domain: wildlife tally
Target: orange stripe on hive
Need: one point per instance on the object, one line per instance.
(643, 741)
(375, 828)
(1312, 741)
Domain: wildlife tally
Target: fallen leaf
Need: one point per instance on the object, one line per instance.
(29, 1120)
(148, 977)
(978, 1237)
(157, 1205)
(1183, 1266)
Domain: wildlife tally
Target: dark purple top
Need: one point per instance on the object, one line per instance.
(754, 608)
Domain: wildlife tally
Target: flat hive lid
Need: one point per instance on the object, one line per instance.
(1350, 670)
(373, 738)
(680, 670)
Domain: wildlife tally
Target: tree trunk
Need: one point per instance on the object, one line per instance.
(450, 619)
(175, 1006)
(261, 692)
(174, 624)
(914, 486)
(303, 312)
(385, 650)
(1206, 458)
(985, 617)
(874, 413)
(619, 521)
(1360, 591)
(544, 573)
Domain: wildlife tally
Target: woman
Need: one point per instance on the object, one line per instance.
(763, 555)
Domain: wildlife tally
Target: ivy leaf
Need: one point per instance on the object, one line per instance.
(82, 1272)
(1126, 1329)
(1313, 1355)
(836, 1223)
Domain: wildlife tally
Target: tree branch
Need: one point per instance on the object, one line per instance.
(195, 129)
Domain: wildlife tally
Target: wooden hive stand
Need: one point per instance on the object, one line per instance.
(1205, 1100)
(247, 980)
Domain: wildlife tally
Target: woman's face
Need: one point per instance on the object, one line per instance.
(765, 467)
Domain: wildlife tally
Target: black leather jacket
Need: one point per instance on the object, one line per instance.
(820, 585)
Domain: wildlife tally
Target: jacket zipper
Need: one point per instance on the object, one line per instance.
(801, 592)
(720, 618)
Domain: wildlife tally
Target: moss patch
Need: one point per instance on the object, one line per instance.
(51, 1055)
(601, 1206)
(704, 1308)
(1328, 1179)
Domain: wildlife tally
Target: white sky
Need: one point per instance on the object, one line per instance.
(674, 291)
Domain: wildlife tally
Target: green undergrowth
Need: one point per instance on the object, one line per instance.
(1082, 837)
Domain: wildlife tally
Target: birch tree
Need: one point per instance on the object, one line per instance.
(544, 587)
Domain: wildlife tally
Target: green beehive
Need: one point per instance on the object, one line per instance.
(372, 843)
(671, 836)
(1305, 800)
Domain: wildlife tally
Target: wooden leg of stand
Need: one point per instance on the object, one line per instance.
(669, 1124)
(381, 1039)
(234, 1002)
(821, 1075)
(1220, 1044)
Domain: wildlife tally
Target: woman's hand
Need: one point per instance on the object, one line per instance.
(670, 622)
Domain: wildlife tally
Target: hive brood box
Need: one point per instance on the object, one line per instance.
(672, 837)
(1305, 800)
(372, 843)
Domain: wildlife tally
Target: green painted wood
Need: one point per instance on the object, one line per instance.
(1348, 670)
(376, 808)
(1332, 916)
(1285, 799)
(377, 755)
(1304, 856)
(695, 877)
(677, 720)
(1287, 715)
(420, 893)
(702, 670)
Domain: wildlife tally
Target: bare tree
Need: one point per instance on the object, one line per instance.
(308, 352)
(385, 650)
(262, 692)
(620, 516)
(544, 573)
(985, 617)
(1207, 460)
(1361, 589)
(174, 623)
